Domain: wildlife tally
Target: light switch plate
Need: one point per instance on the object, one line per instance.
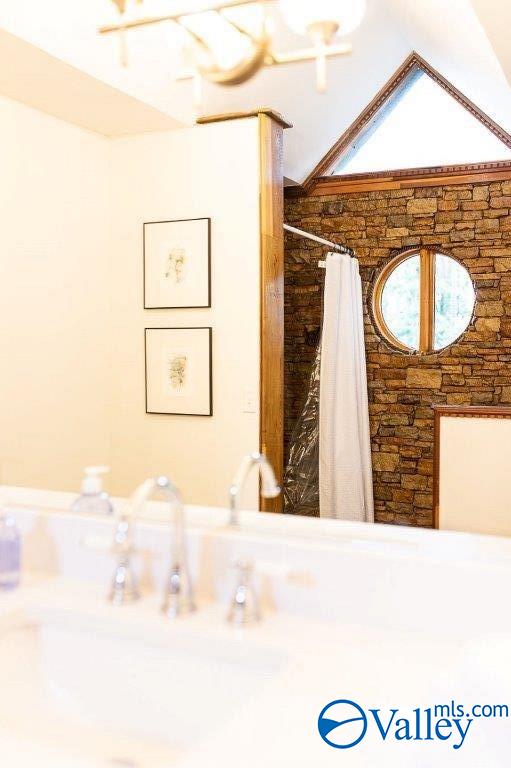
(249, 400)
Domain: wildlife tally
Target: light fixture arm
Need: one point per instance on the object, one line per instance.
(221, 5)
(241, 30)
(260, 54)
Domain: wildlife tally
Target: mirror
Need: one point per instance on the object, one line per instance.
(155, 319)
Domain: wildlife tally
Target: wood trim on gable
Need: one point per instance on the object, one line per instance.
(369, 118)
(407, 178)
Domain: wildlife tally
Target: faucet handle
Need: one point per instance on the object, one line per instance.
(178, 598)
(124, 586)
(244, 605)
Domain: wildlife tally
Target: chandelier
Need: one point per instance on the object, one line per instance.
(228, 42)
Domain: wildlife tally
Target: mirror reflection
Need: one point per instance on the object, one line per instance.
(178, 294)
(255, 383)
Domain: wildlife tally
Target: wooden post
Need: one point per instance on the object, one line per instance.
(272, 299)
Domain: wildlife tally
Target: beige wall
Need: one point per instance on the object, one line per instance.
(72, 348)
(210, 170)
(54, 299)
(474, 489)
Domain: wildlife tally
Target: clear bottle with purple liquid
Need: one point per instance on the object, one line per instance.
(10, 553)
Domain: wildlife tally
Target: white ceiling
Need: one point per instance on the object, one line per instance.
(495, 17)
(31, 75)
(454, 38)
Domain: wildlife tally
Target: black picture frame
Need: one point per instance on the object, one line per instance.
(144, 267)
(210, 365)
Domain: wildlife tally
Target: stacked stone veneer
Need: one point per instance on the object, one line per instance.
(470, 222)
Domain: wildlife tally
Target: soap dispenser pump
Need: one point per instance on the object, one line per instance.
(93, 499)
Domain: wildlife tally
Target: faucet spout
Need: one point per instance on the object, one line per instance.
(269, 486)
(178, 596)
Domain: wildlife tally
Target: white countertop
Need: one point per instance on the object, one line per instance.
(322, 662)
(390, 618)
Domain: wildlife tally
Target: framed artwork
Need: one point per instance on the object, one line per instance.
(178, 365)
(177, 264)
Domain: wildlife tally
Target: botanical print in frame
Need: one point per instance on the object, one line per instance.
(177, 264)
(178, 364)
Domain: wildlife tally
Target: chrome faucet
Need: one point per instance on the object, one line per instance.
(244, 608)
(124, 586)
(269, 488)
(178, 595)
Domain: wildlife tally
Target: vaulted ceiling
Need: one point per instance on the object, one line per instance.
(495, 18)
(463, 39)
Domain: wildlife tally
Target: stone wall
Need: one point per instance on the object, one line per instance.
(472, 223)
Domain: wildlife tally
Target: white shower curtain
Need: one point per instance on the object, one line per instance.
(345, 472)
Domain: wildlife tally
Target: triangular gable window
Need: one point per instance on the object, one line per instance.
(424, 127)
(417, 121)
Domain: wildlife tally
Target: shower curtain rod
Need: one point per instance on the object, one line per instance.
(309, 236)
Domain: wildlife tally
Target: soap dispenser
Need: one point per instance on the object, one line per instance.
(93, 499)
(10, 553)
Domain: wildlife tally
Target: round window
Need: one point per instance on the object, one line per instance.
(423, 301)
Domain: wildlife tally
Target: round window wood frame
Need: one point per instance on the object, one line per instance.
(426, 299)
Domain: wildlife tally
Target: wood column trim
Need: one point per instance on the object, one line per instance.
(272, 300)
(271, 113)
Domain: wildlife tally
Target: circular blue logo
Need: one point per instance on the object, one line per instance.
(342, 724)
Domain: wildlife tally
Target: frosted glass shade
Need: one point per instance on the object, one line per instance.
(300, 15)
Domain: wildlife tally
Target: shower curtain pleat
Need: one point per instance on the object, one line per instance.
(345, 472)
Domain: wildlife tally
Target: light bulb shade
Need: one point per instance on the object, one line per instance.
(302, 15)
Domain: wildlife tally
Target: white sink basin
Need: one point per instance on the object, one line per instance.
(91, 696)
